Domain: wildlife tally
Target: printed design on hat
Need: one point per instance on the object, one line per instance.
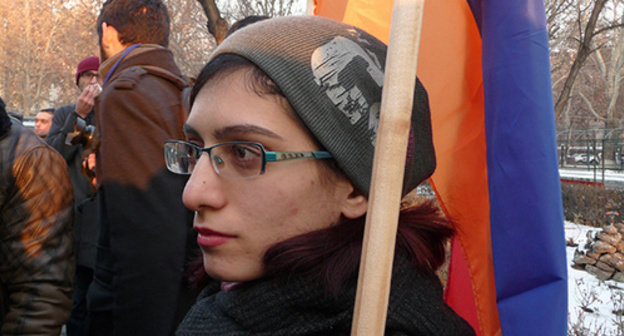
(352, 77)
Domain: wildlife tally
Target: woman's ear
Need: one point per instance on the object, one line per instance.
(355, 205)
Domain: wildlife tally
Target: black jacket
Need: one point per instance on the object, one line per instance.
(36, 260)
(85, 206)
(146, 232)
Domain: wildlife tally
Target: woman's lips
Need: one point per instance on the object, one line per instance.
(210, 238)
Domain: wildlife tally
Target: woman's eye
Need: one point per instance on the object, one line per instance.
(245, 152)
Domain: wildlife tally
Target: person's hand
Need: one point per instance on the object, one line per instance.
(86, 100)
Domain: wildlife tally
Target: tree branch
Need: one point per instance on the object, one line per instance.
(217, 26)
(583, 52)
(591, 107)
(607, 28)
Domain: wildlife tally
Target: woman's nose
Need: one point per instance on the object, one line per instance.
(204, 188)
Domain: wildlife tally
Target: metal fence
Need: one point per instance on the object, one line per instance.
(591, 154)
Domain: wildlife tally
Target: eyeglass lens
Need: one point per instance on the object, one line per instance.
(237, 159)
(178, 158)
(228, 159)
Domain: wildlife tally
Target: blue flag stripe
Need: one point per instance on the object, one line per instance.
(528, 240)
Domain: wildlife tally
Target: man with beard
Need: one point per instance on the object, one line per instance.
(145, 230)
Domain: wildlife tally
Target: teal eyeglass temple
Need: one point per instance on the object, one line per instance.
(282, 156)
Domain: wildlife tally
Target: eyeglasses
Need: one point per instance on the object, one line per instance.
(90, 74)
(234, 159)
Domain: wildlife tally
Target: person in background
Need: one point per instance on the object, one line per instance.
(146, 233)
(66, 119)
(279, 147)
(43, 121)
(36, 259)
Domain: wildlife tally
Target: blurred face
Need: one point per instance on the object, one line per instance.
(43, 121)
(87, 78)
(239, 219)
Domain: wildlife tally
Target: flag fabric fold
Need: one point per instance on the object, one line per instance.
(485, 65)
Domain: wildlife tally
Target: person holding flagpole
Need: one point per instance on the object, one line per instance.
(279, 148)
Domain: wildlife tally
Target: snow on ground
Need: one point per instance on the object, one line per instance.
(599, 298)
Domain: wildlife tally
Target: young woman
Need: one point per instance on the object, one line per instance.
(280, 142)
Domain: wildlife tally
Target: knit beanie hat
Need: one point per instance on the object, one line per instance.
(332, 74)
(90, 63)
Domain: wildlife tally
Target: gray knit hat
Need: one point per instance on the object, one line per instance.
(332, 75)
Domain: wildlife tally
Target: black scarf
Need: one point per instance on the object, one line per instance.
(299, 306)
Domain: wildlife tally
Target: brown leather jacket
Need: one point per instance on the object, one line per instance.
(36, 258)
(146, 233)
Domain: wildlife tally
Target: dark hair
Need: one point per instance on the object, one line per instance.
(137, 21)
(332, 255)
(246, 21)
(225, 64)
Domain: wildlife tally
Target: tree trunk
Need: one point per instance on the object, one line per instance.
(583, 52)
(217, 26)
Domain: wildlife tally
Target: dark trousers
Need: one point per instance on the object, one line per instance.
(101, 323)
(78, 324)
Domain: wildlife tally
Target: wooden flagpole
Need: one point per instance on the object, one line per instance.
(371, 303)
(310, 7)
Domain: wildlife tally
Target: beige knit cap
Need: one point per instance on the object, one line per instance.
(332, 75)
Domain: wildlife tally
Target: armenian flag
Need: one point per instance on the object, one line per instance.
(485, 65)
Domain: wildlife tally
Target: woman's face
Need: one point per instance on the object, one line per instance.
(239, 219)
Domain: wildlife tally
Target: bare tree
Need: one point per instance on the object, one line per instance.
(610, 68)
(219, 14)
(189, 40)
(605, 72)
(217, 25)
(588, 30)
(40, 44)
(267, 7)
(559, 17)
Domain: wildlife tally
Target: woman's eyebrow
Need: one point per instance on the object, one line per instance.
(245, 129)
(188, 130)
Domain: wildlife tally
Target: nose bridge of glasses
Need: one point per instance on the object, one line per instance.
(207, 159)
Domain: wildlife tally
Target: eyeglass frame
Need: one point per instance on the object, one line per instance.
(267, 156)
(90, 74)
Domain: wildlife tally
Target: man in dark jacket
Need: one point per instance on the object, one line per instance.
(145, 230)
(85, 206)
(36, 260)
